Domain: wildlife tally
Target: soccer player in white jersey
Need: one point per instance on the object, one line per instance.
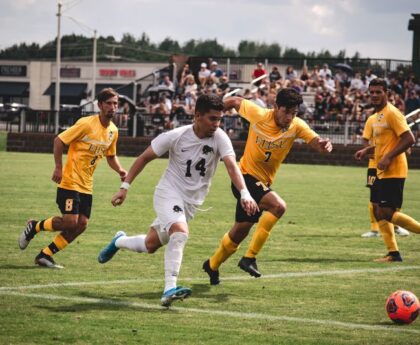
(194, 152)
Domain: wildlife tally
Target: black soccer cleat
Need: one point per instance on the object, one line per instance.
(213, 275)
(249, 265)
(47, 261)
(27, 234)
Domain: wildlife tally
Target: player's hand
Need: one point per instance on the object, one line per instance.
(119, 197)
(123, 174)
(250, 206)
(384, 163)
(325, 145)
(359, 155)
(57, 175)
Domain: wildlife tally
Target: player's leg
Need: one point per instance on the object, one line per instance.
(373, 191)
(374, 227)
(227, 247)
(76, 209)
(174, 251)
(139, 243)
(389, 198)
(274, 207)
(33, 227)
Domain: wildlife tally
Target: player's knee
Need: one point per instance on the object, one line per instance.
(279, 208)
(70, 224)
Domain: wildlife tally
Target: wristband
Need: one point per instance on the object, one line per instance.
(245, 194)
(125, 185)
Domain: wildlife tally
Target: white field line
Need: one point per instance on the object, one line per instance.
(224, 313)
(232, 278)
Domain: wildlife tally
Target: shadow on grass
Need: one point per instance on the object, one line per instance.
(20, 267)
(317, 260)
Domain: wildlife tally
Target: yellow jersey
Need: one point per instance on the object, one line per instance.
(268, 145)
(88, 142)
(367, 134)
(387, 127)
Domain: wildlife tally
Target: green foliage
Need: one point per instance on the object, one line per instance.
(316, 286)
(130, 48)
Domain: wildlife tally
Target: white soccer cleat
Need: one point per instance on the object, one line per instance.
(401, 231)
(370, 234)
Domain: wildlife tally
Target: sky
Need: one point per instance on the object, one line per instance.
(374, 28)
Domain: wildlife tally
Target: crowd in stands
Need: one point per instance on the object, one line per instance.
(331, 95)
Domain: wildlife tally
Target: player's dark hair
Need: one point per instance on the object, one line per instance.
(288, 98)
(106, 94)
(379, 82)
(207, 102)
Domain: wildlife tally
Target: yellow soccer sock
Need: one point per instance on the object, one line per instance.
(388, 234)
(226, 248)
(261, 234)
(373, 223)
(405, 221)
(44, 225)
(56, 245)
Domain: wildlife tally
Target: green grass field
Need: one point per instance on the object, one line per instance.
(319, 283)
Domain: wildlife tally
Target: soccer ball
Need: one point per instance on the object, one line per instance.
(402, 307)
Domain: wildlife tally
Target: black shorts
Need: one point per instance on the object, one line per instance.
(389, 192)
(73, 202)
(372, 185)
(257, 189)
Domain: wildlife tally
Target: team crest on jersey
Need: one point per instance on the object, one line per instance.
(177, 209)
(207, 149)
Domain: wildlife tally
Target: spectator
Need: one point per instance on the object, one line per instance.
(369, 75)
(258, 72)
(324, 71)
(290, 73)
(412, 102)
(274, 75)
(166, 81)
(215, 71)
(203, 74)
(356, 83)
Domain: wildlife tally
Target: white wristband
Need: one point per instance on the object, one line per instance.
(125, 185)
(245, 194)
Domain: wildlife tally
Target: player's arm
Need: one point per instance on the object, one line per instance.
(247, 202)
(367, 150)
(115, 164)
(145, 158)
(232, 102)
(58, 159)
(321, 144)
(406, 141)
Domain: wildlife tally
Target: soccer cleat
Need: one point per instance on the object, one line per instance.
(401, 231)
(371, 234)
(173, 294)
(213, 275)
(109, 251)
(249, 265)
(28, 234)
(390, 257)
(47, 261)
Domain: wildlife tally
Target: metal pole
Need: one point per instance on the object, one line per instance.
(94, 66)
(135, 119)
(58, 68)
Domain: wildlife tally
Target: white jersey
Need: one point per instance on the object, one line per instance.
(192, 161)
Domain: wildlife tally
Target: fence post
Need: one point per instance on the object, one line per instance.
(22, 121)
(346, 133)
(228, 68)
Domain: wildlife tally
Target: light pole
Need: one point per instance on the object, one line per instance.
(58, 68)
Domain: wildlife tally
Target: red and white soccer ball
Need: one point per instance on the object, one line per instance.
(403, 307)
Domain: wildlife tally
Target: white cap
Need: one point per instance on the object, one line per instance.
(214, 63)
(204, 65)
